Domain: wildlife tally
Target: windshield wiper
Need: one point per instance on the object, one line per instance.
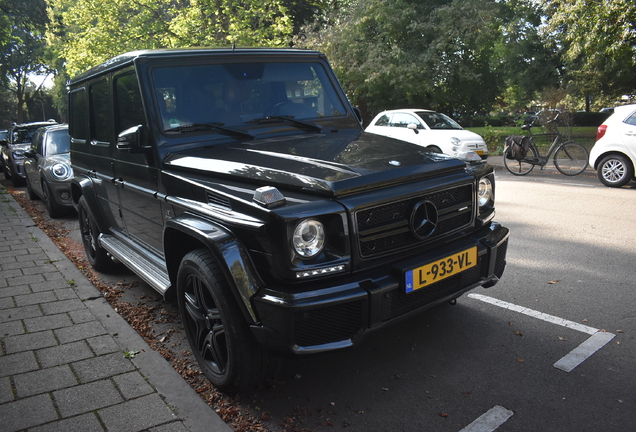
(207, 126)
(271, 119)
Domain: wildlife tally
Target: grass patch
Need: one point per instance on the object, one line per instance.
(496, 135)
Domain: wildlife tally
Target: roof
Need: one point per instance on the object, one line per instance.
(130, 57)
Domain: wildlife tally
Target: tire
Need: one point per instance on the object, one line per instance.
(524, 166)
(52, 207)
(96, 255)
(615, 170)
(5, 171)
(32, 195)
(218, 334)
(571, 159)
(434, 149)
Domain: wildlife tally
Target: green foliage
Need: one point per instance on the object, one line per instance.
(598, 40)
(92, 31)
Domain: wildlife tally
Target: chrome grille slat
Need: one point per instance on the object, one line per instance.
(386, 228)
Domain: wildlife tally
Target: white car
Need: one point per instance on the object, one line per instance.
(435, 131)
(614, 154)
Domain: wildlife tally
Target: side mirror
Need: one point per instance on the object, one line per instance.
(130, 140)
(30, 153)
(413, 127)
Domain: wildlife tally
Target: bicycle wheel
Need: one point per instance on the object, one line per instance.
(571, 159)
(524, 166)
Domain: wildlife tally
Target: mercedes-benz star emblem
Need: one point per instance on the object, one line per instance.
(423, 219)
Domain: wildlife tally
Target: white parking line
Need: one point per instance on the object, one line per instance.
(577, 356)
(489, 421)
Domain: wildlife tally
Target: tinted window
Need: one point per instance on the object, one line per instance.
(58, 142)
(100, 112)
(129, 108)
(403, 120)
(236, 93)
(78, 110)
(383, 121)
(22, 135)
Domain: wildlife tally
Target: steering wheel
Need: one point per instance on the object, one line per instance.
(276, 108)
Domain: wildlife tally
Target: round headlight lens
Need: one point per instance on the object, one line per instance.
(61, 171)
(309, 238)
(485, 191)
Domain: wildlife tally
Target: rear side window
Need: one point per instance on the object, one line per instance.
(100, 112)
(631, 119)
(78, 115)
(383, 121)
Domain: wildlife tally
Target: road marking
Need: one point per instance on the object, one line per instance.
(578, 355)
(489, 421)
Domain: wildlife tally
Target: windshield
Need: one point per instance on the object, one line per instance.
(59, 142)
(234, 94)
(23, 135)
(436, 120)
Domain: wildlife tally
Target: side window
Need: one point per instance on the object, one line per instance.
(402, 120)
(100, 112)
(78, 118)
(631, 119)
(383, 121)
(129, 110)
(38, 141)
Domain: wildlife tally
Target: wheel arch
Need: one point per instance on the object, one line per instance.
(614, 153)
(85, 187)
(186, 233)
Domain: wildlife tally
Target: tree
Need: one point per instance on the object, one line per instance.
(428, 54)
(94, 31)
(23, 47)
(598, 41)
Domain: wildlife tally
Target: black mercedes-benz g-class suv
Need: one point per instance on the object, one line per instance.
(242, 182)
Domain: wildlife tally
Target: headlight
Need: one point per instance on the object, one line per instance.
(18, 154)
(309, 238)
(61, 171)
(455, 141)
(485, 191)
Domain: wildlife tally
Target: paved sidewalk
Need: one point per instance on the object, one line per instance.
(62, 363)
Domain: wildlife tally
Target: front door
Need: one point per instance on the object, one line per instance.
(136, 173)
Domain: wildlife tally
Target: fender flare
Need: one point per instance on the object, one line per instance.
(230, 253)
(85, 186)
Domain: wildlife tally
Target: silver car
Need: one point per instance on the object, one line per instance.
(48, 169)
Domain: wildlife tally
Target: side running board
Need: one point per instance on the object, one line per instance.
(153, 272)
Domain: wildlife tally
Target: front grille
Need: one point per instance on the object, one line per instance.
(329, 324)
(398, 302)
(386, 228)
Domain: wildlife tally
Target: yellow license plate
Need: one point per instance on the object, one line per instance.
(479, 152)
(440, 269)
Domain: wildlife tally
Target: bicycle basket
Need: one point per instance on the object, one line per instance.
(516, 147)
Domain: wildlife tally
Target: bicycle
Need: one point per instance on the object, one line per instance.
(570, 158)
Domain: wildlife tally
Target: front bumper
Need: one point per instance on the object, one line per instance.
(339, 316)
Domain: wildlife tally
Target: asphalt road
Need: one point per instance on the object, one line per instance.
(549, 348)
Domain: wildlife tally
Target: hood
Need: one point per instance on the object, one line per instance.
(332, 164)
(463, 134)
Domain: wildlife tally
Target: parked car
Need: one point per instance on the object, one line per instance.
(3, 136)
(19, 141)
(48, 169)
(435, 131)
(614, 154)
(240, 182)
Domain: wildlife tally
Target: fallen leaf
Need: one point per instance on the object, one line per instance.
(560, 338)
(518, 333)
(620, 331)
(443, 415)
(385, 389)
(520, 360)
(585, 320)
(554, 281)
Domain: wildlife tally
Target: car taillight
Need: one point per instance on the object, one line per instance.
(601, 131)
